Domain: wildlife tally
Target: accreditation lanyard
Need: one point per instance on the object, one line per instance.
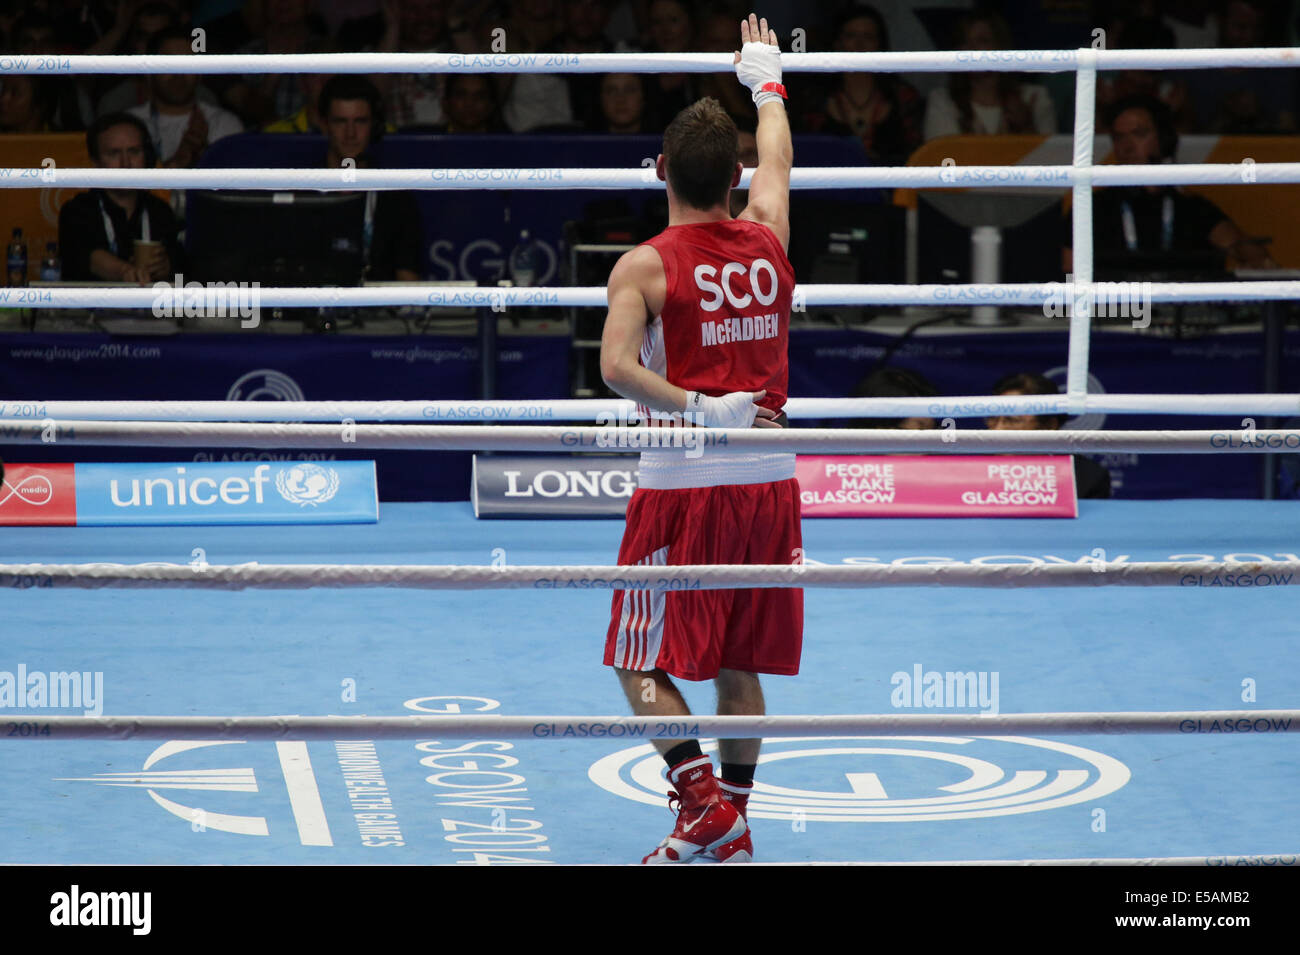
(368, 228)
(1166, 225)
(111, 233)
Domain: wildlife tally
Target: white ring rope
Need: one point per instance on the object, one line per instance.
(163, 298)
(925, 61)
(1085, 109)
(547, 178)
(1088, 572)
(611, 410)
(416, 437)
(644, 727)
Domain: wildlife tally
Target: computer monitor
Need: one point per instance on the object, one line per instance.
(276, 238)
(1207, 265)
(836, 241)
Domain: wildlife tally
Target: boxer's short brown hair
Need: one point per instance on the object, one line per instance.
(701, 149)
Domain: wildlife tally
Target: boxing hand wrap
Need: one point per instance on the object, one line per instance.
(733, 410)
(759, 69)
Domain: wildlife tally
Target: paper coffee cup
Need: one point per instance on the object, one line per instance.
(145, 252)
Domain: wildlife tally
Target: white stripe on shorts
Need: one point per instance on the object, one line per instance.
(641, 623)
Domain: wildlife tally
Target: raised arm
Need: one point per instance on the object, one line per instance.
(758, 66)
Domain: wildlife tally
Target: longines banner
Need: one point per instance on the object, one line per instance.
(288, 492)
(554, 485)
(891, 485)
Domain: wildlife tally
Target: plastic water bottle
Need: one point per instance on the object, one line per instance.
(51, 265)
(527, 259)
(16, 259)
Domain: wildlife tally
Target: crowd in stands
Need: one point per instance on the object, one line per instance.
(891, 113)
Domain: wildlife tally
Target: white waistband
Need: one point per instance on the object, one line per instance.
(672, 470)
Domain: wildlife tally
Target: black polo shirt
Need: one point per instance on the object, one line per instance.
(82, 231)
(1184, 229)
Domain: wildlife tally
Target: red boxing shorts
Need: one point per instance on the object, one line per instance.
(692, 634)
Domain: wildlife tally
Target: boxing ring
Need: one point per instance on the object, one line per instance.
(446, 727)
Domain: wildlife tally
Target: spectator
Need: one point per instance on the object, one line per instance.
(533, 24)
(180, 126)
(584, 28)
(27, 104)
(627, 23)
(1244, 101)
(34, 32)
(66, 98)
(987, 104)
(470, 106)
(1091, 480)
(717, 34)
(148, 19)
(133, 22)
(671, 30)
(352, 110)
(289, 26)
(533, 101)
(882, 110)
(413, 26)
(228, 30)
(622, 104)
(307, 119)
(1144, 32)
(1157, 220)
(1194, 24)
(893, 382)
(119, 235)
(584, 32)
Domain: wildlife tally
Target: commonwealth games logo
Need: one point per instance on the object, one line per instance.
(895, 778)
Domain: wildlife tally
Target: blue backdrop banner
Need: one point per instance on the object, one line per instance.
(831, 362)
(823, 363)
(44, 367)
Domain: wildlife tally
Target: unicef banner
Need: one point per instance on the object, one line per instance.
(293, 492)
(554, 485)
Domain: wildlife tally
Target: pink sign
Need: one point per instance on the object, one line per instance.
(941, 485)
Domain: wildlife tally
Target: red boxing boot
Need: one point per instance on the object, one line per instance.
(705, 820)
(742, 849)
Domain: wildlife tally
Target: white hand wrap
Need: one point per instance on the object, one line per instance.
(760, 70)
(733, 410)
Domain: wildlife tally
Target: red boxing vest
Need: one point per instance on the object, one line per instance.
(726, 318)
